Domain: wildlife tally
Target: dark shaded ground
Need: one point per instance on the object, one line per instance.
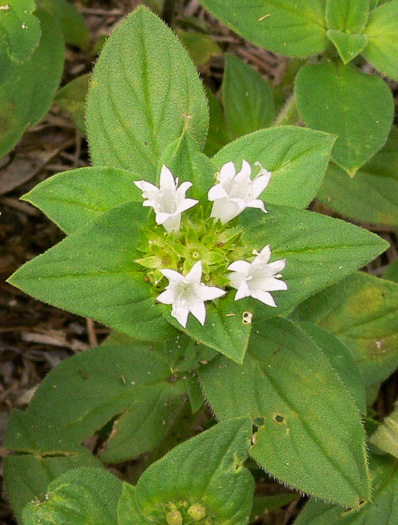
(35, 337)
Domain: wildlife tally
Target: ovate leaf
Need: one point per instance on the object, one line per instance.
(383, 509)
(382, 31)
(93, 273)
(386, 436)
(221, 476)
(362, 312)
(199, 46)
(318, 251)
(25, 96)
(341, 360)
(297, 158)
(19, 29)
(294, 29)
(74, 198)
(144, 92)
(315, 443)
(392, 272)
(346, 15)
(129, 384)
(81, 496)
(247, 98)
(372, 195)
(343, 100)
(218, 134)
(72, 22)
(72, 98)
(348, 45)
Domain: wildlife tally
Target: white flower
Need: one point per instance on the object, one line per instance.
(237, 191)
(168, 201)
(258, 278)
(188, 294)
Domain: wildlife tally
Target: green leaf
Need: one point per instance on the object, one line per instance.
(392, 272)
(194, 393)
(19, 29)
(93, 273)
(295, 29)
(362, 313)
(383, 509)
(26, 98)
(346, 15)
(382, 31)
(345, 101)
(349, 46)
(297, 158)
(222, 487)
(247, 98)
(199, 46)
(72, 22)
(81, 496)
(72, 98)
(341, 360)
(44, 452)
(218, 135)
(27, 476)
(147, 90)
(263, 505)
(372, 195)
(225, 330)
(319, 251)
(74, 198)
(315, 443)
(130, 384)
(128, 508)
(386, 436)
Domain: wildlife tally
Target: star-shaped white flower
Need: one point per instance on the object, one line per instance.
(237, 191)
(188, 294)
(258, 278)
(168, 201)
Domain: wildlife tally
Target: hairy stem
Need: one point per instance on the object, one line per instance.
(289, 113)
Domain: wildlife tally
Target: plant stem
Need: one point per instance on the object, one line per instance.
(289, 113)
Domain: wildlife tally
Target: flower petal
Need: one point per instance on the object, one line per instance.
(195, 274)
(172, 275)
(167, 181)
(243, 291)
(264, 297)
(185, 205)
(208, 293)
(181, 314)
(198, 310)
(227, 172)
(277, 266)
(257, 204)
(240, 266)
(217, 192)
(166, 297)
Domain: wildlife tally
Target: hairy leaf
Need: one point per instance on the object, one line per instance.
(362, 312)
(295, 29)
(343, 100)
(382, 31)
(72, 98)
(346, 15)
(313, 442)
(247, 98)
(144, 92)
(297, 158)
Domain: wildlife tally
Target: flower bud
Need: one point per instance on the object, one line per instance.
(197, 512)
(174, 517)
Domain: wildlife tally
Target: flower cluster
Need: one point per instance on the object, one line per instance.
(233, 193)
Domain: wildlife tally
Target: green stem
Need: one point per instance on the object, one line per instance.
(289, 113)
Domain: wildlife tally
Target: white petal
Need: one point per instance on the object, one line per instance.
(181, 314)
(181, 191)
(240, 266)
(166, 179)
(185, 205)
(236, 279)
(217, 192)
(195, 274)
(172, 275)
(259, 184)
(162, 217)
(145, 186)
(276, 284)
(172, 224)
(243, 291)
(208, 293)
(225, 210)
(264, 297)
(265, 254)
(257, 204)
(277, 266)
(198, 310)
(246, 170)
(227, 172)
(166, 297)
